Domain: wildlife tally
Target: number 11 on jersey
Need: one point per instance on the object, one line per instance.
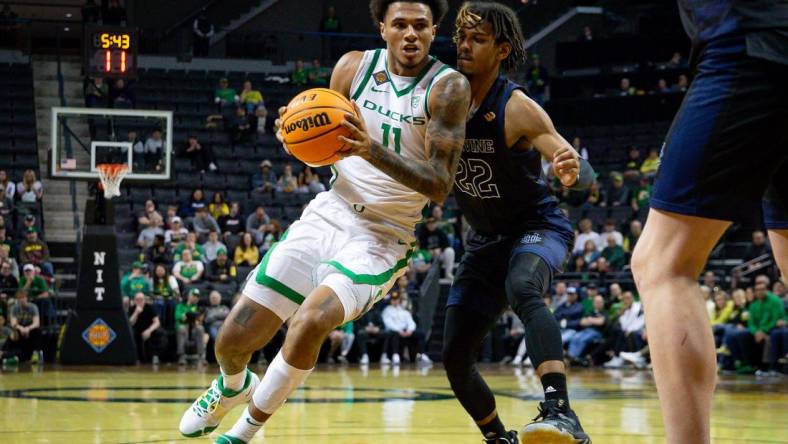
(397, 134)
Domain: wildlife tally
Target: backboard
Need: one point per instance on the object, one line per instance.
(85, 137)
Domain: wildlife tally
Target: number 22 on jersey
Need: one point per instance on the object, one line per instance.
(474, 177)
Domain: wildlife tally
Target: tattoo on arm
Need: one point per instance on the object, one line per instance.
(244, 314)
(449, 102)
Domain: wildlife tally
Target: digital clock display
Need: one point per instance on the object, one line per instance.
(110, 51)
(108, 40)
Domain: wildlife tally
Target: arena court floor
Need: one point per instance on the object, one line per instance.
(351, 406)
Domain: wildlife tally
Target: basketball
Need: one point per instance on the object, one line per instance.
(312, 124)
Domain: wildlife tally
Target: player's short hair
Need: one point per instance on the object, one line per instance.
(505, 27)
(378, 9)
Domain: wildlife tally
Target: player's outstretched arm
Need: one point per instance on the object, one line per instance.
(448, 104)
(532, 126)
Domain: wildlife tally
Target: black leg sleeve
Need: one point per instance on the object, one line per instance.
(361, 340)
(528, 280)
(463, 335)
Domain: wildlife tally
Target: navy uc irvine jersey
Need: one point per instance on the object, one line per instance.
(763, 23)
(502, 191)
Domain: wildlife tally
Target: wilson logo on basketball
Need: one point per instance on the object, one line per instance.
(308, 123)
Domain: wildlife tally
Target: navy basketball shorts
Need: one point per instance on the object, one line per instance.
(480, 282)
(728, 144)
(775, 203)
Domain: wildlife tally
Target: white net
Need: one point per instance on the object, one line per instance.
(111, 174)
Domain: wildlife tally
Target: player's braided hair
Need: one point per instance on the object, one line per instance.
(505, 27)
(378, 9)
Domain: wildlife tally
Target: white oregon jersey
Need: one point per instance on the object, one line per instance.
(395, 112)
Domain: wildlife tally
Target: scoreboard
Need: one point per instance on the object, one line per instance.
(111, 51)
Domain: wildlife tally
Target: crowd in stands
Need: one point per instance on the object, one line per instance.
(26, 272)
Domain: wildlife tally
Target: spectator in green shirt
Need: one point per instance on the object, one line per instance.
(188, 270)
(224, 95)
(318, 74)
(37, 289)
(188, 324)
(614, 254)
(134, 282)
(299, 77)
(330, 22)
(35, 285)
(765, 312)
(190, 243)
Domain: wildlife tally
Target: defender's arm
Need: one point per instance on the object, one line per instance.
(533, 127)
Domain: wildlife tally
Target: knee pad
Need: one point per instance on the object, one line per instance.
(527, 282)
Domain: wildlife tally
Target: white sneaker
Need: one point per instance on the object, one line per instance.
(207, 411)
(364, 359)
(636, 358)
(385, 359)
(616, 362)
(212, 167)
(423, 358)
(517, 361)
(395, 359)
(527, 363)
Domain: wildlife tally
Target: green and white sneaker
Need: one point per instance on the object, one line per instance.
(227, 439)
(208, 410)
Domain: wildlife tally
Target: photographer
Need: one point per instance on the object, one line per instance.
(145, 326)
(188, 326)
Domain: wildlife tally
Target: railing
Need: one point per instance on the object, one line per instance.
(742, 271)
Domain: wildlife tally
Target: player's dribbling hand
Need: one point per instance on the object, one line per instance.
(566, 166)
(359, 143)
(278, 127)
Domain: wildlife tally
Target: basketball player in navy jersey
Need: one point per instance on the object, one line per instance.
(726, 150)
(519, 238)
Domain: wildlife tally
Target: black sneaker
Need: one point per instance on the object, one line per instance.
(510, 438)
(555, 424)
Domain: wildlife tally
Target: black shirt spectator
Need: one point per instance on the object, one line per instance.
(758, 247)
(618, 194)
(232, 223)
(432, 238)
(159, 253)
(121, 95)
(145, 326)
(221, 269)
(202, 156)
(8, 283)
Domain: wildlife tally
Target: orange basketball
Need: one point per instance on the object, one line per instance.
(311, 125)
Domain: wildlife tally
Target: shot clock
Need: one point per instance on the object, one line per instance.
(111, 51)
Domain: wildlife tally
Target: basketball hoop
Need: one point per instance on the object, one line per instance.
(111, 174)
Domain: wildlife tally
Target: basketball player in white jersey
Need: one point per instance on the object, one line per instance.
(354, 241)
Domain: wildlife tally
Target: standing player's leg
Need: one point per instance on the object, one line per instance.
(727, 127)
(338, 298)
(669, 256)
(249, 327)
(475, 302)
(775, 214)
(462, 339)
(530, 277)
(318, 316)
(779, 241)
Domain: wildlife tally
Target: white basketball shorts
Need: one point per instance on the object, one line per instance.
(357, 255)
